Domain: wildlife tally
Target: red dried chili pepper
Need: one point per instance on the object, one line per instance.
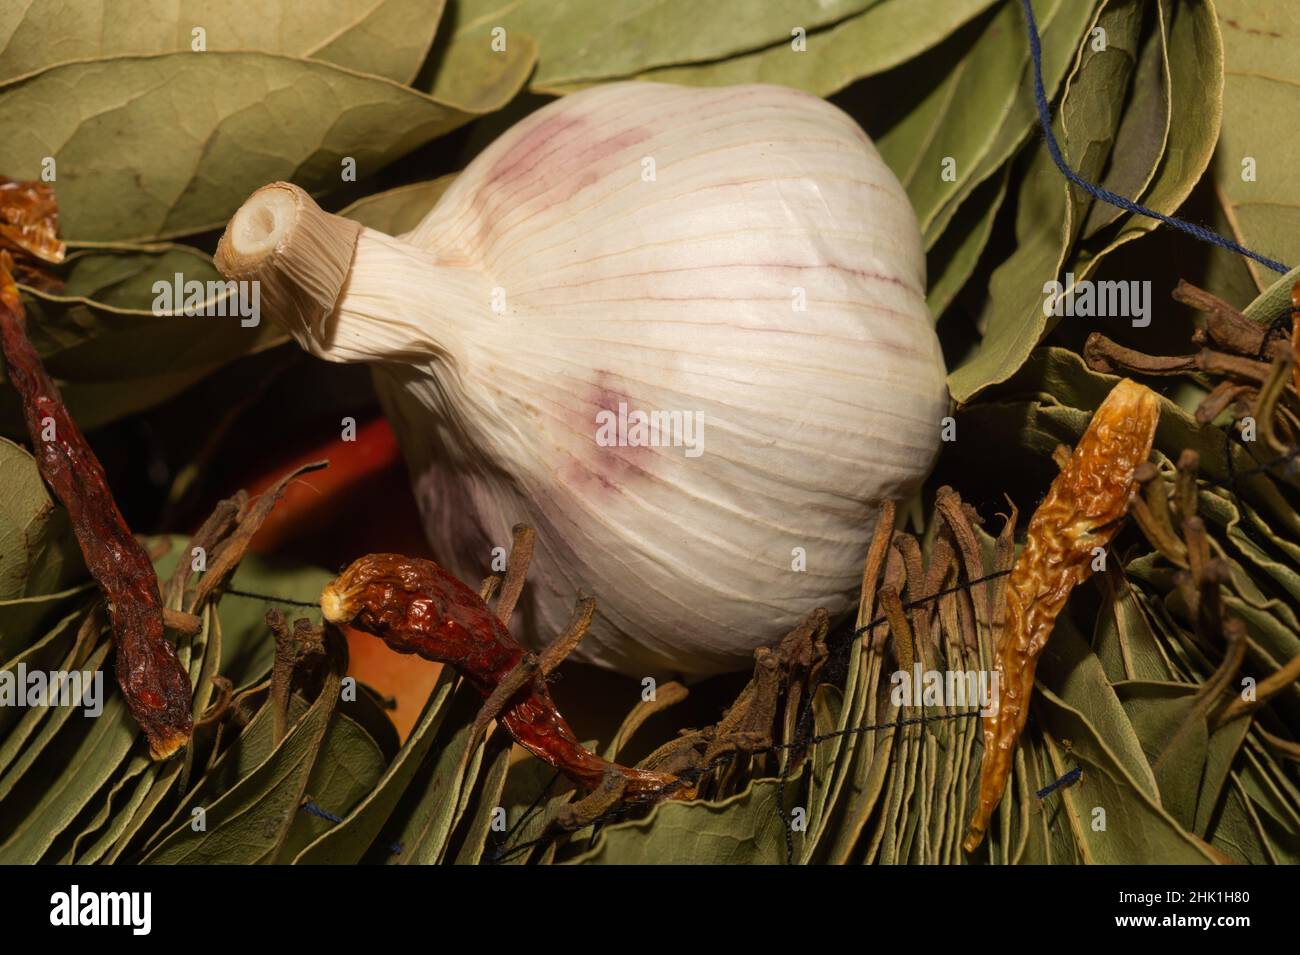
(415, 606)
(154, 684)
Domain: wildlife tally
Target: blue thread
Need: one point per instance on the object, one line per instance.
(315, 810)
(1097, 192)
(312, 809)
(1069, 779)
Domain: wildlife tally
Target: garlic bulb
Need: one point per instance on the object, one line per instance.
(681, 332)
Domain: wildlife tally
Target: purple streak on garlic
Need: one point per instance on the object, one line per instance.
(644, 246)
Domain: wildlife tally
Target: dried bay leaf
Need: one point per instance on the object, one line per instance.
(946, 818)
(236, 763)
(431, 806)
(349, 841)
(471, 69)
(68, 846)
(1236, 829)
(1272, 795)
(1226, 274)
(1222, 749)
(163, 779)
(384, 37)
(1122, 637)
(1138, 830)
(250, 821)
(1275, 299)
(17, 754)
(968, 103)
(1092, 107)
(472, 837)
(180, 140)
(1035, 843)
(1062, 374)
(581, 41)
(952, 259)
(82, 772)
(1143, 130)
(852, 750)
(123, 276)
(42, 654)
(1075, 675)
(1013, 320)
(1170, 721)
(110, 361)
(1002, 58)
(119, 809)
(1226, 519)
(1259, 86)
(886, 34)
(863, 792)
(38, 554)
(398, 211)
(22, 617)
(1194, 53)
(533, 793)
(387, 38)
(902, 770)
(744, 829)
(827, 710)
(347, 768)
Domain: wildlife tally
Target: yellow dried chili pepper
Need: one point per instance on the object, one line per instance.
(1081, 512)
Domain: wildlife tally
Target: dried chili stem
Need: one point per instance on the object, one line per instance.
(1266, 404)
(1103, 355)
(1186, 495)
(1224, 325)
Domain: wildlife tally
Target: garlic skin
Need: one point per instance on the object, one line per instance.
(742, 253)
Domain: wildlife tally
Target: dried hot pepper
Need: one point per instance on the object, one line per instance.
(154, 684)
(415, 606)
(29, 229)
(1082, 511)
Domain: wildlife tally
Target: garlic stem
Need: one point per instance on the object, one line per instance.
(348, 293)
(299, 254)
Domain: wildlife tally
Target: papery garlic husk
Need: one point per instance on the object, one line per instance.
(742, 254)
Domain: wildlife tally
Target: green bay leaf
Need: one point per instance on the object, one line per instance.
(347, 768)
(586, 40)
(1260, 83)
(38, 554)
(397, 211)
(745, 829)
(384, 37)
(160, 146)
(1194, 57)
(885, 35)
(250, 821)
(349, 841)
